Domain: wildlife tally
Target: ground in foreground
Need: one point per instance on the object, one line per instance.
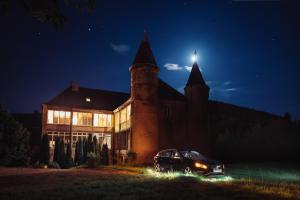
(240, 182)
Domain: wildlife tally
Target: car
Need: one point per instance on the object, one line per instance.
(188, 162)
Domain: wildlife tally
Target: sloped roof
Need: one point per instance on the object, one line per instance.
(144, 54)
(195, 77)
(167, 92)
(100, 99)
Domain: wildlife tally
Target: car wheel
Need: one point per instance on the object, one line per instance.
(187, 170)
(157, 167)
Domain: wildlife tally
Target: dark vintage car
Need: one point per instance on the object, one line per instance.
(187, 161)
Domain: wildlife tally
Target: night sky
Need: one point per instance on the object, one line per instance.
(249, 51)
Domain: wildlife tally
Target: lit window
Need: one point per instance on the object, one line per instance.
(58, 117)
(82, 119)
(88, 99)
(122, 119)
(102, 120)
(74, 120)
(96, 120)
(50, 117)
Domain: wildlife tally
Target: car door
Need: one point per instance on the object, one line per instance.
(176, 160)
(165, 159)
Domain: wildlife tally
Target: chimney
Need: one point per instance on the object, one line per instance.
(75, 86)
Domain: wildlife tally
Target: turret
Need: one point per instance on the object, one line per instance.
(197, 93)
(144, 96)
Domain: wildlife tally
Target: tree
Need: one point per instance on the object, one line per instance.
(62, 155)
(69, 160)
(80, 151)
(287, 116)
(45, 150)
(96, 146)
(104, 155)
(49, 11)
(84, 148)
(90, 144)
(56, 150)
(14, 141)
(76, 152)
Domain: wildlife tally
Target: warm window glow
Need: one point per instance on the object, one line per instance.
(117, 122)
(102, 120)
(58, 117)
(88, 99)
(82, 119)
(50, 116)
(122, 119)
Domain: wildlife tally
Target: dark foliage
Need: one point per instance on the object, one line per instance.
(69, 160)
(14, 141)
(105, 155)
(274, 140)
(96, 146)
(62, 154)
(56, 150)
(49, 11)
(84, 147)
(90, 145)
(45, 150)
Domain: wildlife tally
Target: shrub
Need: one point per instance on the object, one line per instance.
(105, 154)
(131, 157)
(93, 160)
(69, 160)
(53, 165)
(14, 141)
(84, 147)
(56, 150)
(62, 155)
(45, 150)
(37, 164)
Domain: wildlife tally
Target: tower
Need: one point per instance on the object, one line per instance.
(197, 92)
(144, 97)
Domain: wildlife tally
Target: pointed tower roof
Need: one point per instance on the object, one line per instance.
(144, 54)
(195, 77)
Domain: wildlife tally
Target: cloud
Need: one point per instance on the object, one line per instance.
(172, 66)
(229, 89)
(120, 48)
(188, 68)
(227, 83)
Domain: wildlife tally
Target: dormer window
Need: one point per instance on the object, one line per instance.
(88, 99)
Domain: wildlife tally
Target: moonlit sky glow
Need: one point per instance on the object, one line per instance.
(249, 51)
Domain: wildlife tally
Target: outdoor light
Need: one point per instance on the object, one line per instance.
(200, 165)
(87, 99)
(194, 57)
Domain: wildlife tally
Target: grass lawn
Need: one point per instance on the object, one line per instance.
(253, 181)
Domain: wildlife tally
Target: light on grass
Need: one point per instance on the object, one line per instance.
(174, 175)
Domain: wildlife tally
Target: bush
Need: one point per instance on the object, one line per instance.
(105, 155)
(37, 164)
(93, 160)
(14, 141)
(53, 165)
(131, 157)
(69, 160)
(56, 150)
(45, 150)
(62, 155)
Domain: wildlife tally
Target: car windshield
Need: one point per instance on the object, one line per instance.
(193, 155)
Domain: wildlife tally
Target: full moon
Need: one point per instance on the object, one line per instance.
(194, 58)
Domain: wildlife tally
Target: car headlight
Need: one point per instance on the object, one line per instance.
(200, 165)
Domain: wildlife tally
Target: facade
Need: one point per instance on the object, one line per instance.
(154, 116)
